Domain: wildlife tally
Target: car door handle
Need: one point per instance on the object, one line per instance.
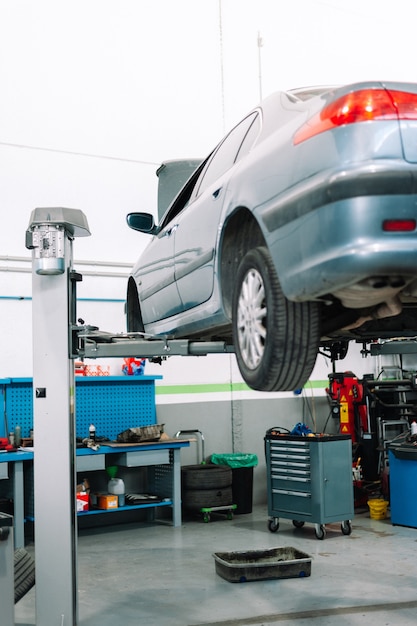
(171, 230)
(216, 193)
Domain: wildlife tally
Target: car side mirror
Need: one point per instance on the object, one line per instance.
(143, 222)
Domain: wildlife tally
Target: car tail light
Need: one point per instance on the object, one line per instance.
(364, 105)
(399, 226)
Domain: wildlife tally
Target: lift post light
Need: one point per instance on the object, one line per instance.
(46, 234)
(48, 245)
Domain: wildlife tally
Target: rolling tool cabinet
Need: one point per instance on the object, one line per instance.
(310, 480)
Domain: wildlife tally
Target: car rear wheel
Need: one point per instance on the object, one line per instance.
(276, 341)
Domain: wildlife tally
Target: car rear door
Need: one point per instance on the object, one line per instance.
(155, 270)
(195, 245)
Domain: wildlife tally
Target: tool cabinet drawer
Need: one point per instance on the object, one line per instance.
(290, 466)
(90, 462)
(142, 457)
(301, 460)
(302, 447)
(291, 501)
(285, 480)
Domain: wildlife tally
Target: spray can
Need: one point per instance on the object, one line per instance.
(92, 432)
(17, 436)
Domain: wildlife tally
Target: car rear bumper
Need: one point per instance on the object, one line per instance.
(378, 178)
(339, 242)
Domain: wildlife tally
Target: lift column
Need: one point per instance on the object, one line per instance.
(49, 236)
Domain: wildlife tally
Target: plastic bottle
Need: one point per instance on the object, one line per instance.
(92, 432)
(414, 428)
(17, 436)
(116, 486)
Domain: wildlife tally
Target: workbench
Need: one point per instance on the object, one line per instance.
(161, 458)
(112, 404)
(12, 486)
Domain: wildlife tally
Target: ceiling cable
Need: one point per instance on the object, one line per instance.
(74, 153)
(221, 64)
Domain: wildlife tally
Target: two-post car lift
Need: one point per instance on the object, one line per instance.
(57, 341)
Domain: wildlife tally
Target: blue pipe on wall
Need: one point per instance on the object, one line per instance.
(78, 299)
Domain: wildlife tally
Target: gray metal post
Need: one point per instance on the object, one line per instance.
(50, 237)
(6, 570)
(19, 505)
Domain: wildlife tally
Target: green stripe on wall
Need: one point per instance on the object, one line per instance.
(201, 388)
(222, 388)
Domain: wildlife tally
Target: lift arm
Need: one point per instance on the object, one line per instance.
(399, 346)
(89, 342)
(95, 344)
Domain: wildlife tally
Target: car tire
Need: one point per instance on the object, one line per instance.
(196, 499)
(24, 573)
(276, 340)
(206, 476)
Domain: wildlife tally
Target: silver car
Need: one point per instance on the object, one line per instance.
(296, 234)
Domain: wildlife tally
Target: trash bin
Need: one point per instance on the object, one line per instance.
(402, 459)
(242, 478)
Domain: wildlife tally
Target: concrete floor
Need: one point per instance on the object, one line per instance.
(157, 575)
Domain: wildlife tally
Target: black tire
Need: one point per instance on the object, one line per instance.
(276, 341)
(208, 476)
(196, 499)
(24, 573)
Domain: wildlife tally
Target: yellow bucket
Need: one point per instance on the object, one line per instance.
(378, 508)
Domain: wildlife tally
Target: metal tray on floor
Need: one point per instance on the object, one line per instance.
(273, 563)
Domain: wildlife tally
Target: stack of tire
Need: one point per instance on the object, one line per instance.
(24, 573)
(206, 486)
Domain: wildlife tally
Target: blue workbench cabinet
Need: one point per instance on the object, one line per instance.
(112, 404)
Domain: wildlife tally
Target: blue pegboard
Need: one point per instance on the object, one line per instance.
(17, 402)
(111, 403)
(114, 403)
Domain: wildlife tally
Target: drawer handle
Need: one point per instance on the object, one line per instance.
(286, 492)
(293, 478)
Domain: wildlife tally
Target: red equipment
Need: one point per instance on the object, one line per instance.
(346, 395)
(5, 445)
